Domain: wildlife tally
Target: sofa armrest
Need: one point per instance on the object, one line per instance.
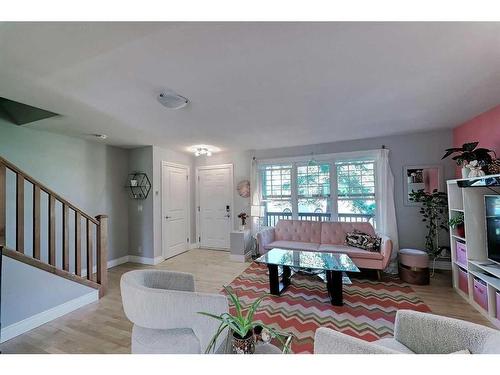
(328, 341)
(433, 334)
(265, 237)
(385, 249)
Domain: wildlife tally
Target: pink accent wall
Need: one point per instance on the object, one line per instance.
(484, 128)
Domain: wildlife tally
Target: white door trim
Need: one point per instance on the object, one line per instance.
(162, 213)
(197, 198)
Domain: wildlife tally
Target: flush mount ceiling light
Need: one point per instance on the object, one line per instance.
(199, 150)
(172, 100)
(100, 136)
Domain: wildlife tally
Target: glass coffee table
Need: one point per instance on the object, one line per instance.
(334, 265)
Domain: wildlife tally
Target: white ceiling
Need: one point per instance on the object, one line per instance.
(251, 85)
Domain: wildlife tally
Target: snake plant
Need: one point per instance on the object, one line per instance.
(242, 324)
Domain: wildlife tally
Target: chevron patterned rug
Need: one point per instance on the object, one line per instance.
(368, 313)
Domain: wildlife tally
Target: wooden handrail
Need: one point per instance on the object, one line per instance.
(44, 188)
(99, 222)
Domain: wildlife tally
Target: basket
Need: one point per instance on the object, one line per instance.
(494, 167)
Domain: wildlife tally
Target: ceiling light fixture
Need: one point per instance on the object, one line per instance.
(100, 136)
(200, 150)
(172, 100)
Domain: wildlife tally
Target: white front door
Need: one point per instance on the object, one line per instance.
(215, 189)
(175, 209)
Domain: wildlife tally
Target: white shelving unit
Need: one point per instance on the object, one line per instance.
(470, 202)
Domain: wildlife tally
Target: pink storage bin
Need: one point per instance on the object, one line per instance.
(481, 293)
(461, 253)
(498, 304)
(463, 282)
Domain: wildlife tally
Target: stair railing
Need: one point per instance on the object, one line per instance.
(95, 232)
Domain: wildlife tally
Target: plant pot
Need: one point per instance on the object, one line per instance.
(242, 228)
(460, 230)
(244, 345)
(465, 172)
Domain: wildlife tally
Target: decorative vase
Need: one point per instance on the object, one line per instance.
(244, 345)
(461, 230)
(242, 228)
(465, 172)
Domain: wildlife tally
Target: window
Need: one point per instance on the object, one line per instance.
(342, 190)
(277, 192)
(313, 186)
(356, 191)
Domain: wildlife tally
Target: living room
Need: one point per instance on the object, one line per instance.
(182, 187)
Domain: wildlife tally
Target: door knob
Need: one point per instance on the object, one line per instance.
(167, 217)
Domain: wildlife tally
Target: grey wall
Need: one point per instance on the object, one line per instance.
(145, 216)
(140, 211)
(410, 149)
(88, 174)
(25, 291)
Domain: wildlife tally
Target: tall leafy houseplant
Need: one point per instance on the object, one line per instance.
(468, 152)
(242, 325)
(433, 210)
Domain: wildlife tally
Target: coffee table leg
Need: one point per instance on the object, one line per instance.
(334, 286)
(287, 273)
(277, 286)
(274, 279)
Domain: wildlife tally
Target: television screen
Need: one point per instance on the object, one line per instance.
(492, 205)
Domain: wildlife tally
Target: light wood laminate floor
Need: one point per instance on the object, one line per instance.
(101, 327)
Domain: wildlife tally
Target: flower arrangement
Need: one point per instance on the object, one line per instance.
(243, 216)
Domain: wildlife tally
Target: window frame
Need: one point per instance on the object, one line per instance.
(331, 160)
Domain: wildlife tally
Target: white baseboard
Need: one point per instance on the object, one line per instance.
(194, 246)
(37, 320)
(111, 263)
(144, 260)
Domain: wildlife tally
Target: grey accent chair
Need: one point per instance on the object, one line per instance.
(164, 308)
(415, 333)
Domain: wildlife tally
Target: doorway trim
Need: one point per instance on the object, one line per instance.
(163, 204)
(197, 197)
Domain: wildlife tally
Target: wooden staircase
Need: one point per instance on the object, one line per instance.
(95, 229)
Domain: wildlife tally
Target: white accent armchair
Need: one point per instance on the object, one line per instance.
(164, 308)
(415, 333)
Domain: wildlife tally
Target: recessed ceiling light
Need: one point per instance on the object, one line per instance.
(199, 150)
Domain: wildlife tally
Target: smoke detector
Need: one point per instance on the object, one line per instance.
(172, 100)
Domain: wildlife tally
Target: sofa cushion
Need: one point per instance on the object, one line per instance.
(292, 245)
(353, 252)
(298, 230)
(334, 232)
(363, 241)
(391, 343)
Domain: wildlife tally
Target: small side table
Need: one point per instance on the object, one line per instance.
(414, 266)
(241, 241)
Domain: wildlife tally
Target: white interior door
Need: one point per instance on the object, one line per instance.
(175, 209)
(215, 206)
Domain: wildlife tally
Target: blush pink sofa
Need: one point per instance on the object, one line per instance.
(327, 237)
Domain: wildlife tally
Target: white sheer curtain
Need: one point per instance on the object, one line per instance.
(386, 209)
(255, 192)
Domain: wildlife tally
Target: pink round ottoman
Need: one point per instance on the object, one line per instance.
(414, 266)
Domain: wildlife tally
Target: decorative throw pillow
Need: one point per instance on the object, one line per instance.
(363, 241)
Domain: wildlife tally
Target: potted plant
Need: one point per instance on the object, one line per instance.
(433, 210)
(242, 326)
(467, 153)
(457, 223)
